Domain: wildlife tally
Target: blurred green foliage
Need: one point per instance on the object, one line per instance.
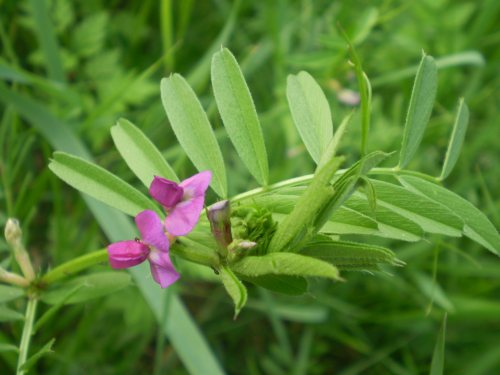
(88, 63)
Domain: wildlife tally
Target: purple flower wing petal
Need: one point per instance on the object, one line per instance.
(125, 254)
(184, 216)
(151, 229)
(162, 269)
(167, 192)
(197, 185)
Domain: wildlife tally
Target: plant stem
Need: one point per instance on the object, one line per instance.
(307, 178)
(26, 336)
(75, 265)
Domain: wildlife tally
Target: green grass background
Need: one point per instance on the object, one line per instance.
(87, 63)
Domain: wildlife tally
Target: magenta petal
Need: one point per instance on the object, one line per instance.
(196, 186)
(151, 229)
(125, 254)
(184, 216)
(162, 269)
(167, 192)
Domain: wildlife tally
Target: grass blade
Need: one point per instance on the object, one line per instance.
(310, 112)
(456, 139)
(192, 129)
(48, 42)
(239, 115)
(420, 109)
(437, 364)
(140, 154)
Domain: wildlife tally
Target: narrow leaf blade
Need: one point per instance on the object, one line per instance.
(432, 216)
(99, 184)
(291, 285)
(9, 293)
(420, 108)
(347, 255)
(437, 364)
(456, 139)
(239, 115)
(89, 287)
(192, 129)
(140, 154)
(285, 264)
(234, 288)
(477, 226)
(310, 112)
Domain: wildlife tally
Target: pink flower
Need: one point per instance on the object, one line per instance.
(154, 247)
(183, 202)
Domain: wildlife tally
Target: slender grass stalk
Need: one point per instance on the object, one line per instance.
(75, 265)
(26, 335)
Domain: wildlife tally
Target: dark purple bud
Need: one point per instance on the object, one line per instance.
(219, 216)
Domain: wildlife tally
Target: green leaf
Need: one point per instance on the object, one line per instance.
(234, 288)
(347, 221)
(311, 113)
(371, 194)
(389, 223)
(140, 154)
(300, 222)
(46, 349)
(432, 216)
(239, 115)
(48, 40)
(9, 293)
(192, 129)
(92, 286)
(456, 139)
(291, 285)
(343, 221)
(99, 184)
(477, 226)
(7, 315)
(420, 108)
(437, 364)
(285, 264)
(346, 255)
(346, 184)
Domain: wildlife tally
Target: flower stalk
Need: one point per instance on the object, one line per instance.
(13, 278)
(74, 266)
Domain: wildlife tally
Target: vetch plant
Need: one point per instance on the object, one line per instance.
(280, 234)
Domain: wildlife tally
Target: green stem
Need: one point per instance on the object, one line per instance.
(307, 178)
(26, 336)
(75, 265)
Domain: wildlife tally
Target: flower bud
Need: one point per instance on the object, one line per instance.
(13, 232)
(219, 216)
